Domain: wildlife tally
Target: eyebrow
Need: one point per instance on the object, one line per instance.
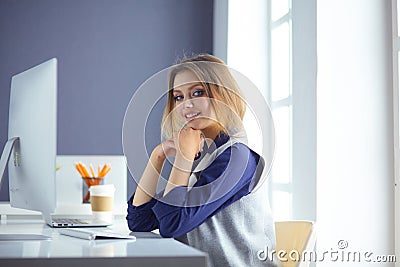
(190, 88)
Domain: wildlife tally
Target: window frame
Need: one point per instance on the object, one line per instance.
(396, 118)
(275, 185)
(304, 83)
(304, 107)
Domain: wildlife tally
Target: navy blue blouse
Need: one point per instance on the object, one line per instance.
(231, 174)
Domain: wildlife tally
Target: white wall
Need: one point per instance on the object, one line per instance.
(247, 33)
(220, 29)
(304, 75)
(355, 200)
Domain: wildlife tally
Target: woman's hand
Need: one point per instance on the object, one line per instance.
(164, 150)
(184, 146)
(188, 143)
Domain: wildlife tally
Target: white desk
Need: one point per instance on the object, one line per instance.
(147, 250)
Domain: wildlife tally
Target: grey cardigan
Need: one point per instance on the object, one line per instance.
(235, 235)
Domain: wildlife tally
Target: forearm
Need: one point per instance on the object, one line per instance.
(180, 173)
(147, 185)
(141, 218)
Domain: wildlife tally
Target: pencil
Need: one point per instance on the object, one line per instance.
(105, 170)
(91, 170)
(77, 167)
(84, 170)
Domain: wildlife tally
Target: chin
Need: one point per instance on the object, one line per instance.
(196, 124)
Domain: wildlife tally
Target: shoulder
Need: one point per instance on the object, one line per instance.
(237, 152)
(238, 156)
(234, 166)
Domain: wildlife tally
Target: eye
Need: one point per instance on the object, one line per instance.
(199, 92)
(178, 98)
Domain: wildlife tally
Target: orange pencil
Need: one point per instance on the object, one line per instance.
(84, 170)
(91, 170)
(77, 167)
(105, 170)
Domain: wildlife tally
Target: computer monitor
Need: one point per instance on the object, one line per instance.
(32, 139)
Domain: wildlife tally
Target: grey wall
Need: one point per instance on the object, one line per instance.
(105, 50)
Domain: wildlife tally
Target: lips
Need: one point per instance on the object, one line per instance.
(191, 116)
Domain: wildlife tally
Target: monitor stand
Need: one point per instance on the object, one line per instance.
(5, 156)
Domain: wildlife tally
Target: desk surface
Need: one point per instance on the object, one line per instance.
(147, 250)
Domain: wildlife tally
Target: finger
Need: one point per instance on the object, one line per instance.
(202, 135)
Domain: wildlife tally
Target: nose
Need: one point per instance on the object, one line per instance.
(188, 103)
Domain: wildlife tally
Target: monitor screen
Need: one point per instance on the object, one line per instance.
(33, 127)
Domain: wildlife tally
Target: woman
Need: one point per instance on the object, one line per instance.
(208, 202)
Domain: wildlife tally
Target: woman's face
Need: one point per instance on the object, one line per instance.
(192, 102)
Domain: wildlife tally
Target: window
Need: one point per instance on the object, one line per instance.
(273, 43)
(280, 97)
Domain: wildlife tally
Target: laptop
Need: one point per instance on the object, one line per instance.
(67, 222)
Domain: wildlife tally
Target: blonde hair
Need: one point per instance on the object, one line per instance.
(220, 86)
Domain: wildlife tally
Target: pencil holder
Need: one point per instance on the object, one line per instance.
(89, 178)
(87, 182)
